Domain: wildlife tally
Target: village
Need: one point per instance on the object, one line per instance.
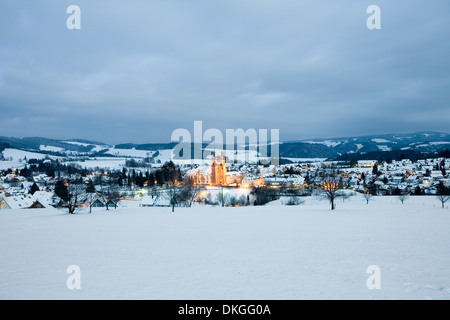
(53, 183)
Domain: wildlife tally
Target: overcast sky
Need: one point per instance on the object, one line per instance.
(140, 69)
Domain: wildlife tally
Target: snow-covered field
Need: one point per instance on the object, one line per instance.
(105, 163)
(51, 148)
(130, 153)
(270, 252)
(15, 158)
(16, 155)
(11, 165)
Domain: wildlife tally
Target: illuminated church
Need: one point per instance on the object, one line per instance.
(214, 175)
(218, 171)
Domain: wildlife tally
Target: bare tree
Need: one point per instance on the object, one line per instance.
(403, 197)
(91, 194)
(232, 201)
(367, 196)
(330, 188)
(189, 192)
(443, 199)
(112, 194)
(75, 197)
(174, 194)
(91, 197)
(345, 195)
(242, 201)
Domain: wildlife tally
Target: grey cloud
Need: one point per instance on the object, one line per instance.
(140, 69)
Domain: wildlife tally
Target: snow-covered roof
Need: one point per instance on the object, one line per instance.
(162, 200)
(19, 201)
(204, 170)
(44, 197)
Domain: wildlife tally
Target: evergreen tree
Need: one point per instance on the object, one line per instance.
(90, 187)
(151, 179)
(50, 173)
(140, 180)
(129, 180)
(25, 172)
(442, 190)
(159, 177)
(396, 192)
(375, 169)
(34, 188)
(417, 191)
(91, 190)
(61, 190)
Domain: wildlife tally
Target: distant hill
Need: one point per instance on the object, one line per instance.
(376, 146)
(39, 143)
(357, 147)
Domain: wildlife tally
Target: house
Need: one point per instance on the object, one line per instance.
(296, 181)
(235, 178)
(36, 205)
(162, 200)
(112, 203)
(4, 204)
(98, 203)
(366, 163)
(253, 181)
(47, 199)
(200, 175)
(19, 201)
(91, 200)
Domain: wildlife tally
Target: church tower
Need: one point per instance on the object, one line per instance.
(218, 171)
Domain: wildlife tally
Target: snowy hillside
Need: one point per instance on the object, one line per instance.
(19, 155)
(312, 148)
(420, 141)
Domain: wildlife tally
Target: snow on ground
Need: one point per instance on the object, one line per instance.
(164, 155)
(440, 142)
(130, 153)
(11, 165)
(95, 149)
(382, 141)
(305, 160)
(51, 148)
(17, 155)
(270, 252)
(104, 163)
(384, 148)
(328, 143)
(358, 170)
(77, 143)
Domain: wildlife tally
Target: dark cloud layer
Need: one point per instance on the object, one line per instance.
(140, 69)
